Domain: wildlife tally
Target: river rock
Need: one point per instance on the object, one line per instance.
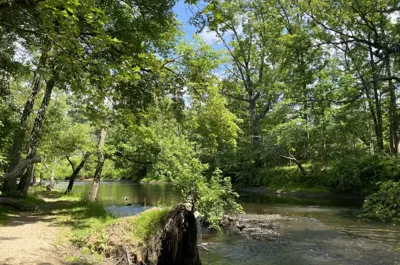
(257, 226)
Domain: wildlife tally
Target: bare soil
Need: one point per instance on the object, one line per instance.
(38, 238)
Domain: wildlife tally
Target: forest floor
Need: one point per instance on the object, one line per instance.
(42, 237)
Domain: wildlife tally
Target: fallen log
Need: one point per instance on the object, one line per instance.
(21, 166)
(16, 204)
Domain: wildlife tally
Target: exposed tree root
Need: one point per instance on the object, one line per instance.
(16, 204)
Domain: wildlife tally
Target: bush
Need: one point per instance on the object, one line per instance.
(384, 205)
(390, 168)
(353, 174)
(288, 177)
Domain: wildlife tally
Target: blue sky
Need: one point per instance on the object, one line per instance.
(184, 13)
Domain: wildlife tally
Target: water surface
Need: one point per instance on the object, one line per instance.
(322, 232)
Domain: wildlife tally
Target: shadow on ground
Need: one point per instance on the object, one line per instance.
(58, 210)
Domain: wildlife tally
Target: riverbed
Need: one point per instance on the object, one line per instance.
(321, 231)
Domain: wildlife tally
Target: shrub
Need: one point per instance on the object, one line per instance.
(384, 205)
(352, 174)
(390, 168)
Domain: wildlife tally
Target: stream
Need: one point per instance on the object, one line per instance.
(321, 231)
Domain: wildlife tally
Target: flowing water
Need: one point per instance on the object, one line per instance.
(321, 231)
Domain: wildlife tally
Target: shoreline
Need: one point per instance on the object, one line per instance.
(301, 194)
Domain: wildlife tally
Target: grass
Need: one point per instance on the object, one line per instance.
(88, 226)
(5, 214)
(148, 224)
(113, 235)
(94, 230)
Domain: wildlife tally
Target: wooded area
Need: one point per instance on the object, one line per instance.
(292, 93)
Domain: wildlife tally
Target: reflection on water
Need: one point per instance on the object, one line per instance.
(113, 193)
(322, 232)
(123, 211)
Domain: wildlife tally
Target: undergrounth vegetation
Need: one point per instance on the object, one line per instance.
(90, 231)
(384, 205)
(353, 175)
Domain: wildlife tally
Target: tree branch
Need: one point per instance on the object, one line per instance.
(7, 6)
(21, 166)
(235, 97)
(70, 162)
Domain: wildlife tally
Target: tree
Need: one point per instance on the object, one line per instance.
(250, 38)
(79, 46)
(368, 48)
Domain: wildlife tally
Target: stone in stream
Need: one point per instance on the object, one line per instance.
(257, 226)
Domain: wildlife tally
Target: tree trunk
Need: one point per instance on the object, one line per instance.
(33, 176)
(255, 133)
(34, 139)
(393, 123)
(377, 101)
(16, 204)
(99, 168)
(41, 181)
(178, 241)
(371, 109)
(76, 173)
(10, 185)
(297, 162)
(52, 173)
(17, 171)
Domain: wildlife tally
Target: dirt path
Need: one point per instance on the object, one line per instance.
(30, 239)
(40, 237)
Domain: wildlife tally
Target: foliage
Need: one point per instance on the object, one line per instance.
(303, 85)
(178, 162)
(217, 198)
(360, 174)
(384, 204)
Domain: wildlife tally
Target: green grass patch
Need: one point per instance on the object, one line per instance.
(89, 226)
(148, 223)
(114, 234)
(5, 213)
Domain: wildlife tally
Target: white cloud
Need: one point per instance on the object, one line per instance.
(208, 36)
(394, 17)
(21, 54)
